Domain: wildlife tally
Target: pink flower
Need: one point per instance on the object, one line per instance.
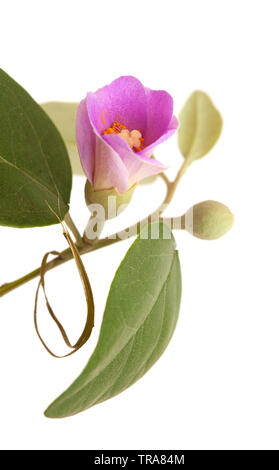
(118, 128)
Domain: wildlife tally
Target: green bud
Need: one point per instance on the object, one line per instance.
(209, 220)
(110, 200)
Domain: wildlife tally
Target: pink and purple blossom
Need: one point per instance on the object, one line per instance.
(118, 128)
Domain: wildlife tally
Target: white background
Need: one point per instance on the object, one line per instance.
(217, 385)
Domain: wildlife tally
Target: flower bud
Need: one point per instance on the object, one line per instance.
(110, 200)
(209, 220)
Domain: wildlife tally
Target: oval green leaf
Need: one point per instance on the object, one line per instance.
(139, 320)
(200, 126)
(35, 172)
(64, 117)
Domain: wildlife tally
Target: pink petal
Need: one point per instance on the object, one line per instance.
(109, 172)
(124, 100)
(101, 164)
(173, 125)
(85, 140)
(138, 166)
(159, 114)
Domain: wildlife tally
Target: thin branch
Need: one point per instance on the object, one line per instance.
(69, 221)
(84, 247)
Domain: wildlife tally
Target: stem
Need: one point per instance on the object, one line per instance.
(165, 178)
(84, 247)
(64, 256)
(172, 185)
(69, 221)
(67, 255)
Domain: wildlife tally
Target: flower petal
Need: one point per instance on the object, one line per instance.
(124, 100)
(138, 166)
(110, 171)
(159, 114)
(101, 164)
(85, 140)
(147, 151)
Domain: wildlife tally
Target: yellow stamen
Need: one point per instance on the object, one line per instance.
(133, 138)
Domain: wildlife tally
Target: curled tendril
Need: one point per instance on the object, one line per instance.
(88, 295)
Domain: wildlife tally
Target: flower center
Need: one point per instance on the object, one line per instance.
(133, 138)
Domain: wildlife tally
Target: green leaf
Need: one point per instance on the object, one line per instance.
(139, 320)
(35, 172)
(200, 126)
(64, 117)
